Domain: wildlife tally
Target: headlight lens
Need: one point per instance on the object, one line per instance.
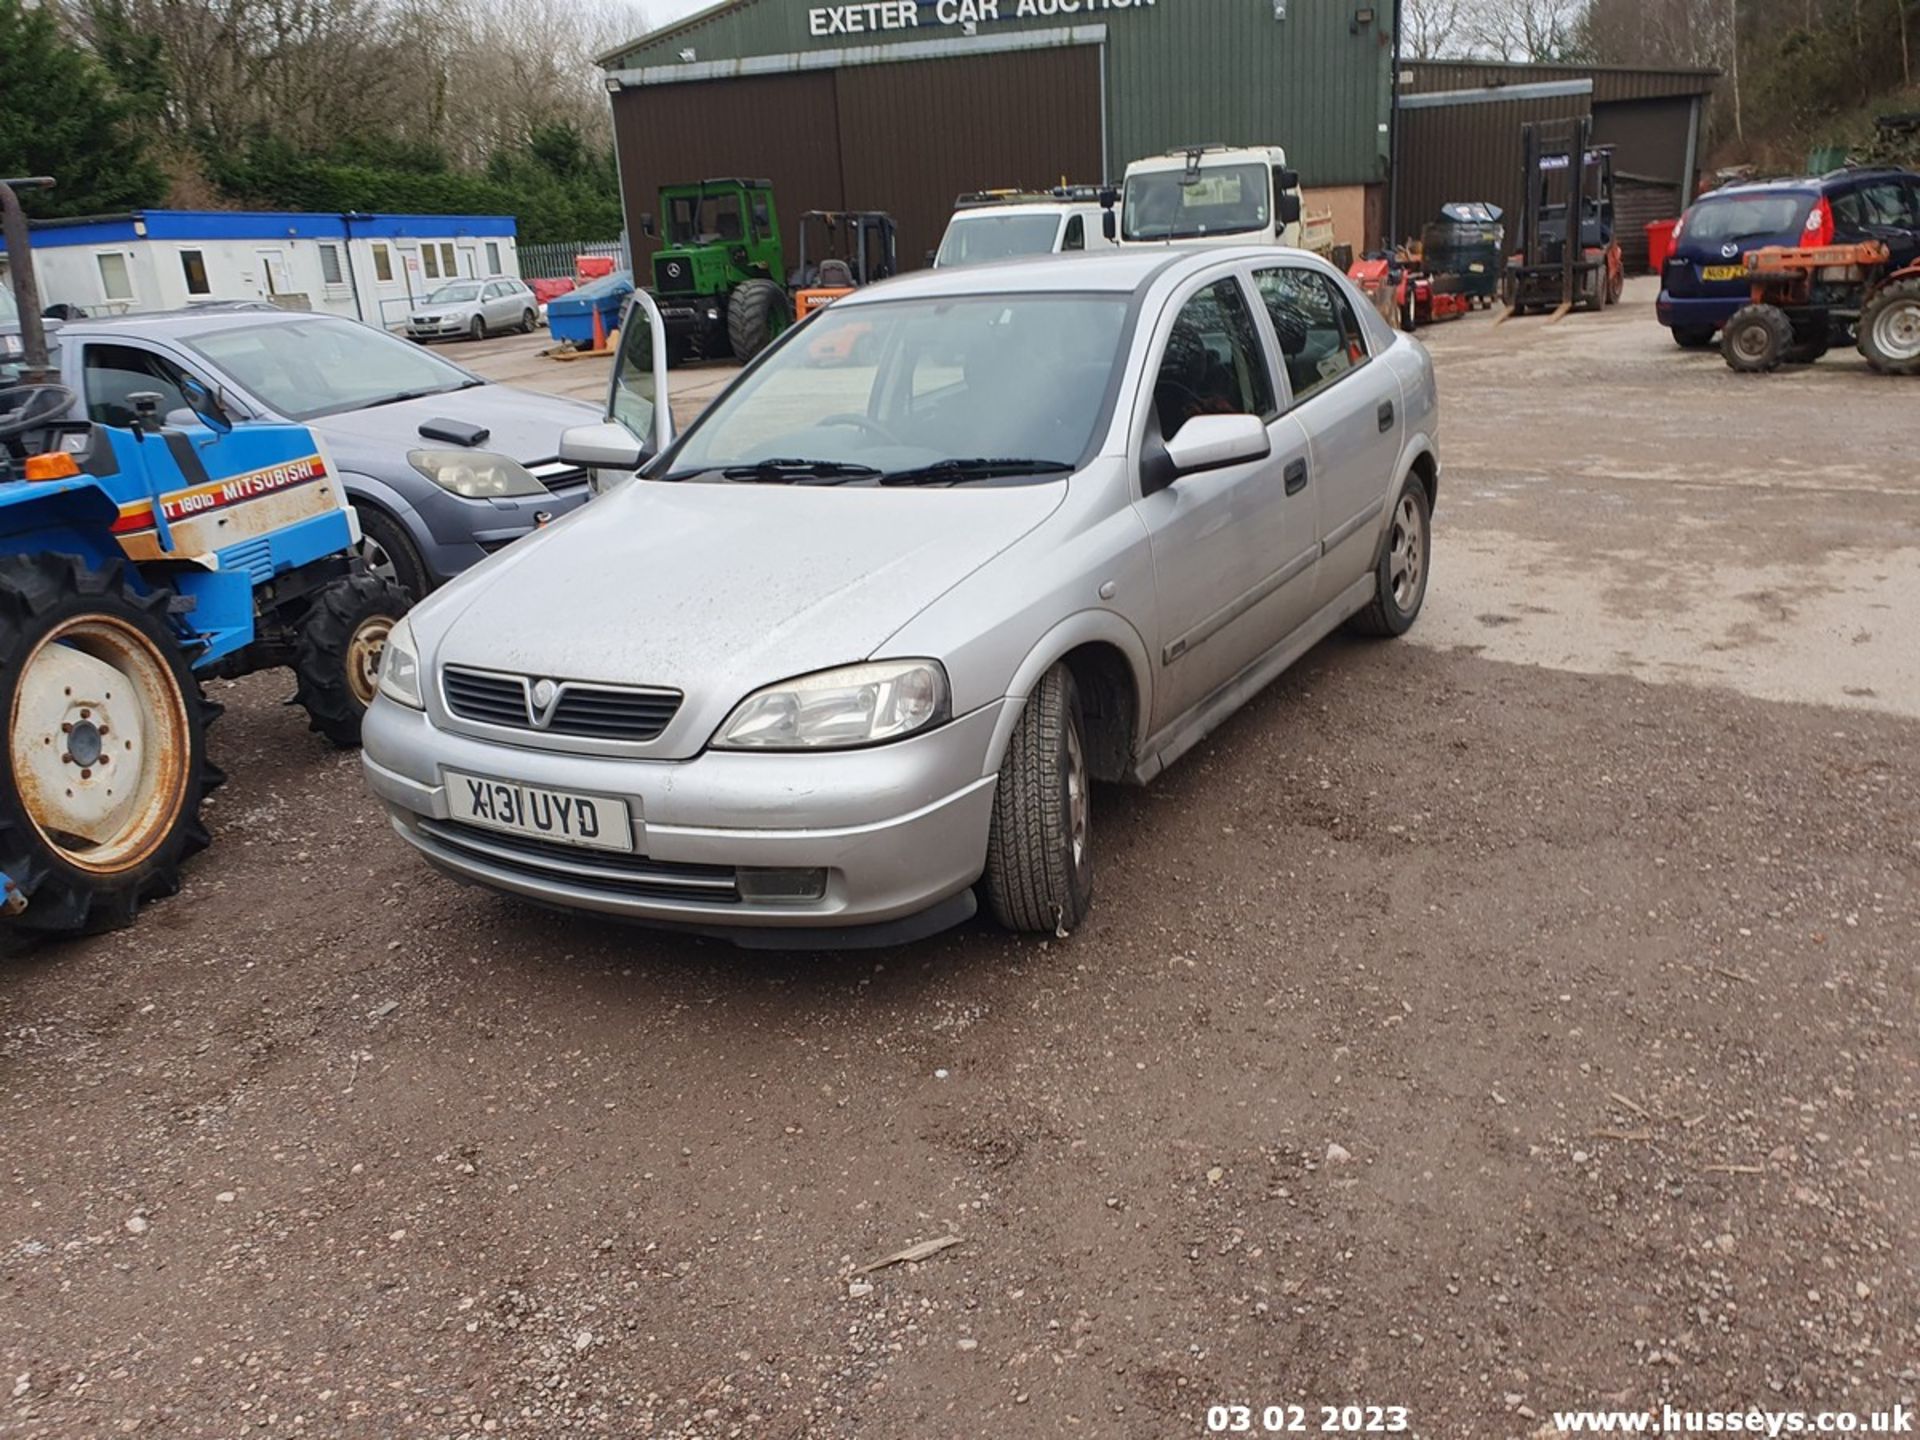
(400, 667)
(840, 709)
(476, 474)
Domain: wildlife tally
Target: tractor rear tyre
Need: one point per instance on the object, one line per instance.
(337, 650)
(1756, 339)
(106, 746)
(755, 311)
(1890, 328)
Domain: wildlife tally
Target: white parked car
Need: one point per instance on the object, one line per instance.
(474, 309)
(1008, 224)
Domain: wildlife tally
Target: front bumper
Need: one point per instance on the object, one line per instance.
(1696, 311)
(460, 533)
(900, 830)
(444, 327)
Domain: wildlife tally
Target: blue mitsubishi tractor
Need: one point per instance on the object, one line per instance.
(133, 564)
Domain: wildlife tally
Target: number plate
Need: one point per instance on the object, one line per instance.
(593, 822)
(1723, 272)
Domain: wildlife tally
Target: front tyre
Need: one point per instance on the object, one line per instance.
(1400, 575)
(1039, 847)
(756, 312)
(337, 652)
(1756, 339)
(106, 745)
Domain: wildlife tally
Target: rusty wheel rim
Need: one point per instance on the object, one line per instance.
(364, 650)
(100, 743)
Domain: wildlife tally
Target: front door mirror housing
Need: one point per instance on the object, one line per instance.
(1213, 442)
(205, 405)
(608, 445)
(1286, 199)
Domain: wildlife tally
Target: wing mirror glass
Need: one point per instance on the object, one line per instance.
(647, 226)
(204, 404)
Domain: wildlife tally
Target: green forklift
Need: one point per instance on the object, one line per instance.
(717, 277)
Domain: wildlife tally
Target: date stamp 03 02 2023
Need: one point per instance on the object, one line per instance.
(1301, 1420)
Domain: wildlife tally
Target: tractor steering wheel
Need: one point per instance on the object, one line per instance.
(27, 407)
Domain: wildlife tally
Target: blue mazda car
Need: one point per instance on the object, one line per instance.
(1704, 279)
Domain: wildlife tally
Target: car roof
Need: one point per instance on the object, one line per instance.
(1802, 183)
(1113, 272)
(191, 321)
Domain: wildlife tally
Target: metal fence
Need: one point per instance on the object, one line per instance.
(555, 261)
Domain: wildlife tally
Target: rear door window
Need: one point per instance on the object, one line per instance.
(1884, 204)
(1320, 336)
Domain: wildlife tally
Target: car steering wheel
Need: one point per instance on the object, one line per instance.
(27, 407)
(861, 422)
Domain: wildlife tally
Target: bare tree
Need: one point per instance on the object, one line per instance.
(1527, 30)
(1431, 29)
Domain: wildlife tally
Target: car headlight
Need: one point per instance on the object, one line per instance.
(476, 474)
(840, 709)
(400, 667)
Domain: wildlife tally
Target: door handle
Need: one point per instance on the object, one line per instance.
(1296, 476)
(1386, 416)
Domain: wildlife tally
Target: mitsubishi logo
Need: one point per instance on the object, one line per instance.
(542, 695)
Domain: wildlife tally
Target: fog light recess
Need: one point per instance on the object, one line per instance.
(788, 887)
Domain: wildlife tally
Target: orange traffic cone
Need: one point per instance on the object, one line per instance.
(599, 332)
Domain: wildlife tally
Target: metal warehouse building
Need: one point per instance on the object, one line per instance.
(900, 105)
(1460, 126)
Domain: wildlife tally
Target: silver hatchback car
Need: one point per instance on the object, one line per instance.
(851, 651)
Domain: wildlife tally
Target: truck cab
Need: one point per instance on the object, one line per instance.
(1007, 224)
(1210, 195)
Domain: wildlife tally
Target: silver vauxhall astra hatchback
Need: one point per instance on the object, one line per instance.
(849, 653)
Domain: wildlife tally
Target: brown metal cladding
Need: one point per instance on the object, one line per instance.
(782, 128)
(916, 133)
(1610, 83)
(1468, 152)
(1636, 204)
(904, 137)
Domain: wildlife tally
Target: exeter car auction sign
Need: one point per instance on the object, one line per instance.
(876, 15)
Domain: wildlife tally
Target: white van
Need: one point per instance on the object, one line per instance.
(1211, 195)
(1005, 224)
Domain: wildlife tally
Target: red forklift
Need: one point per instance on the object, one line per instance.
(1569, 255)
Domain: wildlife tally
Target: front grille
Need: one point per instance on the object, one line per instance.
(559, 476)
(600, 870)
(673, 274)
(595, 712)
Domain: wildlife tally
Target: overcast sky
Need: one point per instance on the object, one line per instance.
(665, 12)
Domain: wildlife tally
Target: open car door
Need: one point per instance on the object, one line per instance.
(639, 421)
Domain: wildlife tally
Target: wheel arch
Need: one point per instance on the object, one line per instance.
(1111, 671)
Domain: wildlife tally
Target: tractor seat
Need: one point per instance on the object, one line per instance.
(835, 274)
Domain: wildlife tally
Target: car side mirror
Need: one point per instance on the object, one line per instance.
(1213, 442)
(1286, 209)
(608, 445)
(1109, 225)
(205, 405)
(647, 226)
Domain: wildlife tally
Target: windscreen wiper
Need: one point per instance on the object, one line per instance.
(953, 472)
(799, 472)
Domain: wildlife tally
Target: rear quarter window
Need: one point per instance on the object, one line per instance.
(1745, 217)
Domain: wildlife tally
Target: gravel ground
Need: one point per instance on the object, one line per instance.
(1455, 1030)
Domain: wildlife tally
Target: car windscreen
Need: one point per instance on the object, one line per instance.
(1220, 200)
(454, 295)
(913, 383)
(309, 367)
(1741, 217)
(976, 239)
